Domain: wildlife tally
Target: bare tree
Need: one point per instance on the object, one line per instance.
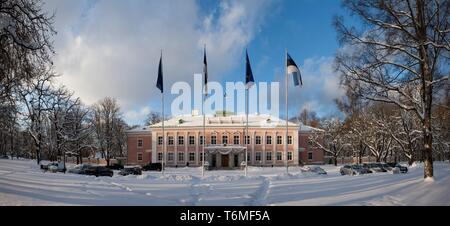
(25, 43)
(153, 118)
(398, 55)
(35, 97)
(332, 139)
(108, 127)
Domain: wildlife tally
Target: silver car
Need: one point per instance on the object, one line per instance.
(353, 170)
(79, 169)
(313, 169)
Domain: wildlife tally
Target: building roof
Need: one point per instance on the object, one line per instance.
(254, 120)
(305, 128)
(139, 129)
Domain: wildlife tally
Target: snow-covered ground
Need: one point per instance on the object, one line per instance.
(22, 183)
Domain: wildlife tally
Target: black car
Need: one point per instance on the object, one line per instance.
(153, 167)
(131, 171)
(99, 171)
(4, 157)
(115, 166)
(403, 169)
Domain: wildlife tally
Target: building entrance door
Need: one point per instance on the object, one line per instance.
(236, 160)
(225, 161)
(213, 160)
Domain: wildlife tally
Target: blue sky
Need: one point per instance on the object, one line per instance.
(111, 48)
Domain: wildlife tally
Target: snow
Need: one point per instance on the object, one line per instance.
(23, 183)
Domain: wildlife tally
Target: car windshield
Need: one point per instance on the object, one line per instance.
(356, 167)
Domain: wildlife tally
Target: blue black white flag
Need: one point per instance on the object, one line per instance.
(159, 83)
(249, 80)
(293, 70)
(205, 72)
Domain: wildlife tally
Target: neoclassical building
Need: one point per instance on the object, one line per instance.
(225, 143)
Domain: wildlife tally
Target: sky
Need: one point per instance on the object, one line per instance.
(112, 48)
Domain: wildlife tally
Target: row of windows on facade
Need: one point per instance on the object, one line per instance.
(170, 156)
(236, 140)
(257, 156)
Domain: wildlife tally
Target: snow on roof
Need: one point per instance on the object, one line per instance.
(139, 129)
(305, 128)
(254, 120)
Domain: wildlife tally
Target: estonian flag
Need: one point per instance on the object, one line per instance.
(293, 69)
(205, 72)
(249, 80)
(159, 83)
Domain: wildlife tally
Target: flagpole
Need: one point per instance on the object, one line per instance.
(204, 117)
(287, 115)
(246, 132)
(163, 129)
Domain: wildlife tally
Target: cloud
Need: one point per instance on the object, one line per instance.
(321, 87)
(133, 115)
(111, 48)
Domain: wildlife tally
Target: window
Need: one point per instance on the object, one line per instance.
(160, 141)
(170, 142)
(181, 156)
(289, 139)
(236, 140)
(269, 140)
(201, 157)
(279, 156)
(310, 156)
(191, 140)
(289, 156)
(180, 140)
(201, 140)
(170, 156)
(191, 156)
(258, 156)
(247, 139)
(139, 157)
(258, 140)
(213, 139)
(269, 156)
(249, 157)
(224, 139)
(140, 143)
(279, 140)
(160, 156)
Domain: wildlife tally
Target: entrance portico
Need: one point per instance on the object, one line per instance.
(224, 156)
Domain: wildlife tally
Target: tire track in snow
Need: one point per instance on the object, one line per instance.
(260, 195)
(197, 190)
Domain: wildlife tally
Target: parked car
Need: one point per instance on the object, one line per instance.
(152, 166)
(313, 169)
(354, 170)
(99, 171)
(4, 157)
(403, 169)
(131, 171)
(115, 166)
(54, 167)
(375, 167)
(79, 169)
(393, 170)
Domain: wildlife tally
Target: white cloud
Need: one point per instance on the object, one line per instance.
(111, 48)
(137, 115)
(321, 87)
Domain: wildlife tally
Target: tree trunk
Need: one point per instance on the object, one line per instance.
(427, 89)
(335, 160)
(428, 156)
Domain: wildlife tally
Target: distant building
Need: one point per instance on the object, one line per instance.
(225, 143)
